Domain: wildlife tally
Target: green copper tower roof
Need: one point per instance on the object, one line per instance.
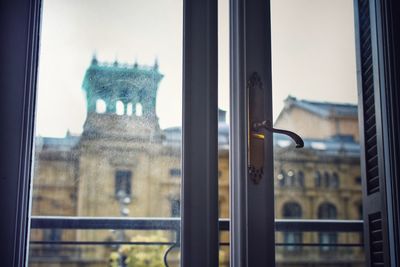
(112, 82)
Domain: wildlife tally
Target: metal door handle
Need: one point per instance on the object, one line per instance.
(267, 125)
(257, 122)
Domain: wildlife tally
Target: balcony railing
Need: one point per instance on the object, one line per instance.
(173, 225)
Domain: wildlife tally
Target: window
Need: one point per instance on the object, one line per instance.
(290, 178)
(123, 183)
(292, 210)
(327, 211)
(360, 211)
(281, 178)
(105, 105)
(300, 178)
(327, 238)
(175, 208)
(119, 108)
(334, 182)
(175, 172)
(129, 109)
(317, 179)
(380, 117)
(139, 109)
(100, 106)
(326, 179)
(52, 234)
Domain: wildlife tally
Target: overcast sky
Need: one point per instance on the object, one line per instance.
(313, 53)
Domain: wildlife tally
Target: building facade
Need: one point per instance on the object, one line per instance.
(320, 181)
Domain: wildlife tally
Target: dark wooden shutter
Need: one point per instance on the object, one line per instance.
(373, 180)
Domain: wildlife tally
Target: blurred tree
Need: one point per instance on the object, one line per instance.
(141, 255)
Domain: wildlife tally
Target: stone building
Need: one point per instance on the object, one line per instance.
(123, 164)
(320, 181)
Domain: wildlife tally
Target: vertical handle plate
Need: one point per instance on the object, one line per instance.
(255, 109)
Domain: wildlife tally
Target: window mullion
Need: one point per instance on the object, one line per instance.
(200, 151)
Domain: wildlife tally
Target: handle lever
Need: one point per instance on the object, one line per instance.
(267, 125)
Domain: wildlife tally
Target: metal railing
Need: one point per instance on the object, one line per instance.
(154, 223)
(173, 224)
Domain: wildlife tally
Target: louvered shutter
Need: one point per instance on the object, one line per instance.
(374, 201)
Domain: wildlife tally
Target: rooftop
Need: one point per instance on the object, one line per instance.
(323, 109)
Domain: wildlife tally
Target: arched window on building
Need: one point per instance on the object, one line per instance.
(327, 211)
(53, 235)
(334, 181)
(290, 178)
(292, 210)
(101, 106)
(326, 179)
(300, 179)
(139, 109)
(317, 179)
(119, 108)
(175, 207)
(129, 109)
(360, 211)
(123, 184)
(281, 178)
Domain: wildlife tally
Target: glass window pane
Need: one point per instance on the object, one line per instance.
(315, 96)
(108, 129)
